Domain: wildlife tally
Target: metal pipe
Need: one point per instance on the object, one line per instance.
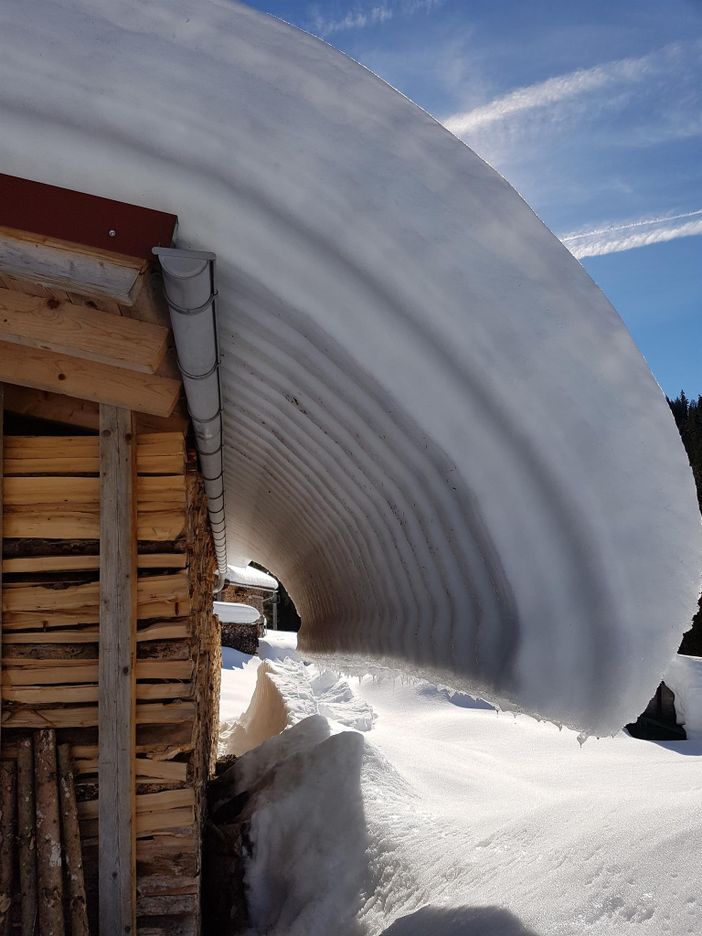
(190, 291)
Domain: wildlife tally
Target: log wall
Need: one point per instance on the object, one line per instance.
(50, 603)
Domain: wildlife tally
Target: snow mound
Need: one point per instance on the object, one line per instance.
(287, 693)
(316, 887)
(684, 677)
(437, 431)
(472, 823)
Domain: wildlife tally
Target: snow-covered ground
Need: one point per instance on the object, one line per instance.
(442, 816)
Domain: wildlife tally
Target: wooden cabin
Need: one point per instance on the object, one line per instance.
(110, 651)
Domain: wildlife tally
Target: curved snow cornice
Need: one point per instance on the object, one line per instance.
(438, 433)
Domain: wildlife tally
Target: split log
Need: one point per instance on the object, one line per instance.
(8, 824)
(48, 835)
(73, 859)
(26, 836)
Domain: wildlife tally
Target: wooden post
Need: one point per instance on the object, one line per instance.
(26, 836)
(49, 866)
(8, 800)
(116, 676)
(73, 858)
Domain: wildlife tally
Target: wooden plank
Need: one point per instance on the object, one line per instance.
(67, 636)
(117, 673)
(30, 672)
(161, 453)
(160, 630)
(43, 606)
(161, 492)
(52, 490)
(87, 380)
(89, 563)
(81, 331)
(146, 768)
(149, 823)
(53, 694)
(75, 716)
(164, 630)
(41, 522)
(145, 802)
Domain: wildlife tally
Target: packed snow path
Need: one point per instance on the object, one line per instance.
(438, 432)
(446, 818)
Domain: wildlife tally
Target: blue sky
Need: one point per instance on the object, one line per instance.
(593, 112)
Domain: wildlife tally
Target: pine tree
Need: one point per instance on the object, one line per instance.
(688, 418)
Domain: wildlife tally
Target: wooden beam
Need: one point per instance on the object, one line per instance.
(55, 407)
(79, 331)
(88, 380)
(70, 266)
(117, 673)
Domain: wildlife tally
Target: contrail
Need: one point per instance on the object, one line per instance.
(561, 87)
(624, 226)
(606, 245)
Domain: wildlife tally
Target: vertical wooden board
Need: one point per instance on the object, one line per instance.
(116, 672)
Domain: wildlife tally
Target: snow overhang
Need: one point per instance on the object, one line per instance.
(437, 431)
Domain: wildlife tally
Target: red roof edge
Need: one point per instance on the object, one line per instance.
(90, 220)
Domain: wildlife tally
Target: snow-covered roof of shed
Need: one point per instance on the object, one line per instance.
(251, 577)
(232, 612)
(438, 432)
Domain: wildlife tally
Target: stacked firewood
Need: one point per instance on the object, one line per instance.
(41, 839)
(50, 648)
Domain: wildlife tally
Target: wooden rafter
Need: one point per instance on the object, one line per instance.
(40, 404)
(79, 331)
(88, 380)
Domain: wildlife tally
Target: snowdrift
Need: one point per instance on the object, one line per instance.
(438, 433)
(446, 818)
(285, 695)
(684, 677)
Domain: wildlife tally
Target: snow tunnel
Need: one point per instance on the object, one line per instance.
(437, 431)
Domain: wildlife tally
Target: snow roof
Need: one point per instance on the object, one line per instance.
(438, 432)
(231, 612)
(251, 577)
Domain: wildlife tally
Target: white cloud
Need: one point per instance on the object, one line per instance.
(615, 238)
(563, 87)
(362, 16)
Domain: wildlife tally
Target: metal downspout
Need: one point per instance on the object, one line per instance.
(189, 287)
